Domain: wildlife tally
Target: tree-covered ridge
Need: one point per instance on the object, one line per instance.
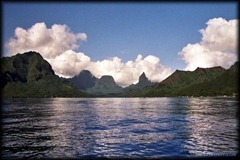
(26, 67)
(136, 90)
(29, 75)
(105, 86)
(214, 81)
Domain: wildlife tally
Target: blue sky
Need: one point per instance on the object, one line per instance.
(123, 29)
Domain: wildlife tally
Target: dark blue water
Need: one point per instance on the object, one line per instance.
(119, 127)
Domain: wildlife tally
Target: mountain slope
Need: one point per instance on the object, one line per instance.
(225, 84)
(105, 86)
(201, 82)
(84, 80)
(29, 75)
(185, 78)
(135, 90)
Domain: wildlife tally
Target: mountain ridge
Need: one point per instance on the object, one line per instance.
(105, 86)
(134, 90)
(199, 82)
(29, 75)
(83, 80)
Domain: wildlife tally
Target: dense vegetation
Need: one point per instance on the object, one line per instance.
(29, 75)
(139, 89)
(105, 86)
(214, 81)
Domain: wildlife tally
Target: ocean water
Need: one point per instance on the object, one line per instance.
(119, 127)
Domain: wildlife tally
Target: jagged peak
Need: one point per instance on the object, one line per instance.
(142, 76)
(143, 79)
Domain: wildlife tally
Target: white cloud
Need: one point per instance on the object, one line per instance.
(220, 35)
(57, 45)
(217, 48)
(128, 73)
(50, 42)
(69, 63)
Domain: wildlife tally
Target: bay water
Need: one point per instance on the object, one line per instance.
(119, 127)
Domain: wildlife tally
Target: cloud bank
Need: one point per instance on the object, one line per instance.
(58, 44)
(218, 46)
(50, 42)
(129, 72)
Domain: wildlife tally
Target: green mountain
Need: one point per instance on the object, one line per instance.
(84, 80)
(135, 90)
(225, 84)
(105, 86)
(214, 81)
(29, 75)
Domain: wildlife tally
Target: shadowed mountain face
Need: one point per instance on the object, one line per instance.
(136, 90)
(29, 75)
(28, 67)
(234, 67)
(143, 81)
(106, 80)
(105, 86)
(83, 80)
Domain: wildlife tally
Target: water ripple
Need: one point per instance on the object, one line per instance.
(118, 127)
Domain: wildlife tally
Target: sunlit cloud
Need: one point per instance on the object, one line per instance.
(218, 46)
(69, 63)
(129, 72)
(50, 42)
(58, 46)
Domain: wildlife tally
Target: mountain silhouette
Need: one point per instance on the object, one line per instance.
(29, 75)
(105, 86)
(84, 80)
(135, 90)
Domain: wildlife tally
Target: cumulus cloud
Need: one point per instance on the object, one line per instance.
(128, 73)
(50, 42)
(69, 63)
(218, 46)
(58, 44)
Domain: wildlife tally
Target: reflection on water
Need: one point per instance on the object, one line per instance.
(118, 127)
(212, 128)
